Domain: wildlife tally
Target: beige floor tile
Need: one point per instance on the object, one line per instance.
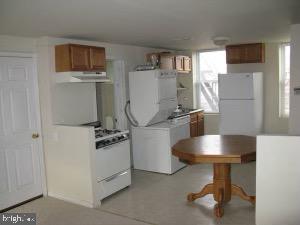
(155, 199)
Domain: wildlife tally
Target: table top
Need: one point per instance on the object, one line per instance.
(216, 149)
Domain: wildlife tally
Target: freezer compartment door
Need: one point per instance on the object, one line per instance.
(237, 117)
(236, 86)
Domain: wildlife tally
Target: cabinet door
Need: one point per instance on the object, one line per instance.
(246, 53)
(97, 58)
(200, 119)
(254, 53)
(79, 57)
(179, 63)
(187, 64)
(193, 125)
(234, 54)
(167, 62)
(194, 129)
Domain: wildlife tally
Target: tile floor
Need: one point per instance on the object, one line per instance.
(155, 199)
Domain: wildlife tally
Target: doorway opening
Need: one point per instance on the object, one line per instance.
(111, 97)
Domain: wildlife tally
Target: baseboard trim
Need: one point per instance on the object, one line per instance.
(21, 203)
(71, 200)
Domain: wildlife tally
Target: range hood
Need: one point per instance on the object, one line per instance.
(76, 77)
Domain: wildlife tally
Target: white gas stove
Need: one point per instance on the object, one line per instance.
(112, 160)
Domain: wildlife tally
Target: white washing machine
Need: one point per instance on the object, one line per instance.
(152, 145)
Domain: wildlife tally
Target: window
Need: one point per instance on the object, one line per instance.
(209, 65)
(284, 80)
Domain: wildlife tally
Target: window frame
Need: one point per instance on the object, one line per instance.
(197, 77)
(282, 77)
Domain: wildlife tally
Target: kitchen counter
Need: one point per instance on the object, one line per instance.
(184, 112)
(196, 110)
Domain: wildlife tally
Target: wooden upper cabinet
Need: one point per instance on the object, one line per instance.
(73, 57)
(246, 53)
(187, 64)
(170, 61)
(179, 61)
(167, 62)
(255, 53)
(79, 57)
(97, 58)
(234, 54)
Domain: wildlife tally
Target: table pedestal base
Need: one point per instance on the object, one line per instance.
(221, 188)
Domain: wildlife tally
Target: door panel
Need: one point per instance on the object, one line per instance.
(3, 172)
(97, 58)
(79, 57)
(20, 173)
(24, 166)
(17, 73)
(194, 129)
(2, 118)
(19, 109)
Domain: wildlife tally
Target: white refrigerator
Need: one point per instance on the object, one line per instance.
(241, 103)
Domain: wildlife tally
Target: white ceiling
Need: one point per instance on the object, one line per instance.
(156, 23)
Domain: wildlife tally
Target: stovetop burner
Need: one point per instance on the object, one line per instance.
(105, 137)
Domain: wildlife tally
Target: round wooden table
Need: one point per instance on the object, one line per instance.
(221, 150)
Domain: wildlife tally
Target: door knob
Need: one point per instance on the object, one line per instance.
(35, 135)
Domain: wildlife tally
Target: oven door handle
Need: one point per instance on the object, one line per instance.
(114, 177)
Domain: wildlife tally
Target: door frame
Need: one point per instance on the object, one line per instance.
(120, 93)
(41, 155)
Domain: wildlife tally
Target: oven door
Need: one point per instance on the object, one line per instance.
(112, 159)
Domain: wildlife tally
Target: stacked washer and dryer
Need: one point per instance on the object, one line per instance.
(153, 98)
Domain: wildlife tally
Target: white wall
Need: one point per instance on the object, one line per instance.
(17, 44)
(294, 124)
(277, 180)
(273, 124)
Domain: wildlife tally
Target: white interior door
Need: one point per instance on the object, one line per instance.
(20, 173)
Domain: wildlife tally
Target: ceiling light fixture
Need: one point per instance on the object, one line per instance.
(221, 41)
